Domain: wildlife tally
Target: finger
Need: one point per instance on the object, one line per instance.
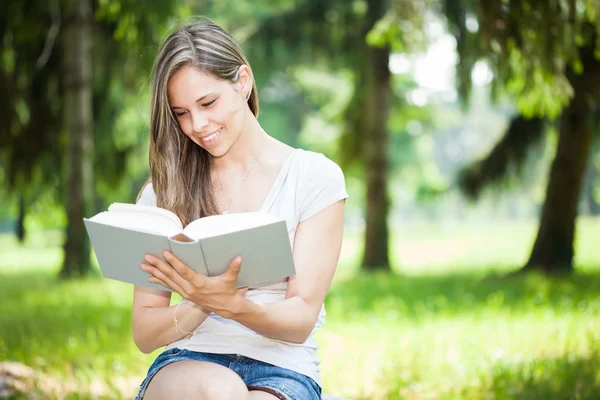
(168, 271)
(182, 268)
(234, 268)
(243, 290)
(194, 278)
(157, 281)
(161, 278)
(171, 286)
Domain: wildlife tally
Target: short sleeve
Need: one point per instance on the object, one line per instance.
(322, 185)
(148, 197)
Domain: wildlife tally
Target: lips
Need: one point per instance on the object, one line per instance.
(212, 137)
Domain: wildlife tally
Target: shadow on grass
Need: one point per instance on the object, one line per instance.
(564, 378)
(575, 378)
(454, 294)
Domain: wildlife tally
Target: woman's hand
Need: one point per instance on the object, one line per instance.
(217, 294)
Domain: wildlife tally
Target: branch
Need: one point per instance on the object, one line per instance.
(510, 152)
(51, 35)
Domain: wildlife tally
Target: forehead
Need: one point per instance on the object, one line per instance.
(188, 84)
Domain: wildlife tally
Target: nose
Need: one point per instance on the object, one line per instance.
(199, 121)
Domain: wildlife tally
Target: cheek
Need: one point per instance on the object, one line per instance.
(228, 109)
(232, 115)
(220, 114)
(185, 125)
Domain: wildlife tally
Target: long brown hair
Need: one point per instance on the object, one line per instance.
(180, 169)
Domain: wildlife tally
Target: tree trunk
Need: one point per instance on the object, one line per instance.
(591, 205)
(20, 228)
(77, 41)
(375, 146)
(553, 249)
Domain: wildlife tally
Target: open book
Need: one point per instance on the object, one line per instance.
(126, 232)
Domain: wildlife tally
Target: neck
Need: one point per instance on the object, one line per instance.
(245, 149)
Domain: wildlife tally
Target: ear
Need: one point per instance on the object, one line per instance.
(244, 83)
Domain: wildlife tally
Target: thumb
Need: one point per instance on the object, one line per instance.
(234, 267)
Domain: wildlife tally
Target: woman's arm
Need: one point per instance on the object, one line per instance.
(152, 319)
(316, 252)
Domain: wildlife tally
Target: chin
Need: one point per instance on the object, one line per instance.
(217, 151)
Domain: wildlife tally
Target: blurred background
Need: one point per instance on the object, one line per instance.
(468, 133)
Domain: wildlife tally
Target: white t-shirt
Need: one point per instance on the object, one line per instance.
(307, 184)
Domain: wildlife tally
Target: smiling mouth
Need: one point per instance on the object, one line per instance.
(211, 136)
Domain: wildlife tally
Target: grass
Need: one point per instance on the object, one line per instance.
(461, 336)
(445, 325)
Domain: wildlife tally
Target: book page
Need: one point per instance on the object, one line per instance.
(146, 210)
(221, 224)
(138, 221)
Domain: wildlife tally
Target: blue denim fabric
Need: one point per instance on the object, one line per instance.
(292, 385)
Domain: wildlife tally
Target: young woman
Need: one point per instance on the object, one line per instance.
(209, 155)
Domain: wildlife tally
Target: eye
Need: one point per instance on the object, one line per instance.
(210, 103)
(180, 113)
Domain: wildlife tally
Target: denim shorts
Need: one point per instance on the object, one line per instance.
(283, 383)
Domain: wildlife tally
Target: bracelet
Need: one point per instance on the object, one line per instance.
(177, 329)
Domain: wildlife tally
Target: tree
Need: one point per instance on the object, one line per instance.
(48, 128)
(78, 124)
(358, 38)
(546, 54)
(29, 117)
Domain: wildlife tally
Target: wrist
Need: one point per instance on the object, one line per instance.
(194, 305)
(246, 308)
(178, 319)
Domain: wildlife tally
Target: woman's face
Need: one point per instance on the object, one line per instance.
(210, 111)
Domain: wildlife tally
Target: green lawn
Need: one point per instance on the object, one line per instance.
(445, 325)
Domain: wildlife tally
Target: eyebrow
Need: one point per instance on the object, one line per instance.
(199, 99)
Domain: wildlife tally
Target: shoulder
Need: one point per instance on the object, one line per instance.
(320, 183)
(317, 166)
(147, 197)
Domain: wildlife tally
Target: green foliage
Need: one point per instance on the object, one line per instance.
(458, 12)
(531, 46)
(334, 36)
(29, 114)
(402, 26)
(313, 30)
(329, 94)
(32, 143)
(121, 85)
(410, 127)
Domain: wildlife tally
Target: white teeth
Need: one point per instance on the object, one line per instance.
(211, 137)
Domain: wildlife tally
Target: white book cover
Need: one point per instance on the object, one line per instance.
(122, 236)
